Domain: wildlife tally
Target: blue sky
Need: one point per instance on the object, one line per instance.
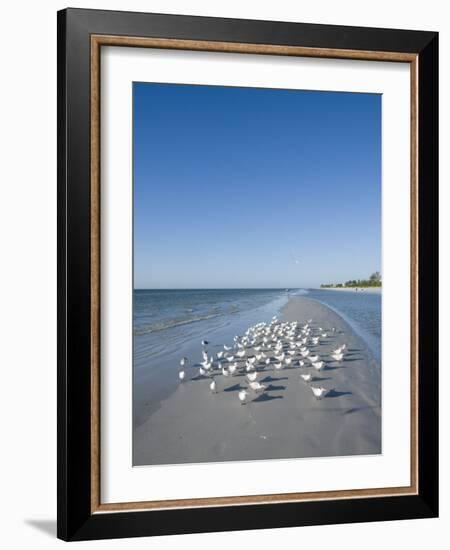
(254, 188)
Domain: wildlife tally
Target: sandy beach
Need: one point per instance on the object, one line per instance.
(368, 289)
(193, 425)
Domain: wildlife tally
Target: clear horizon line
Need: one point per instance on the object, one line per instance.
(228, 288)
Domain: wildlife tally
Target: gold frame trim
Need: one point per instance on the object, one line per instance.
(97, 41)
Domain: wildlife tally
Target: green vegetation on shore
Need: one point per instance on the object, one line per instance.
(373, 281)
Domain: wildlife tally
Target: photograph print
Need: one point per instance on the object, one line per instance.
(257, 274)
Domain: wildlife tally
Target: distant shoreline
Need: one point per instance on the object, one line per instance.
(370, 289)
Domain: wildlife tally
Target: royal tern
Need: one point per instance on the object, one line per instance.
(318, 392)
(318, 365)
(257, 387)
(243, 396)
(251, 376)
(232, 369)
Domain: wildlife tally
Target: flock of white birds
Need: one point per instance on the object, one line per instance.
(267, 346)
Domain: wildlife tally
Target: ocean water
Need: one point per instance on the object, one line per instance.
(362, 310)
(168, 324)
(164, 319)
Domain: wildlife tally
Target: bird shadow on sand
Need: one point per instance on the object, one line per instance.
(272, 379)
(335, 393)
(199, 377)
(235, 387)
(320, 378)
(357, 409)
(352, 359)
(266, 397)
(327, 367)
(271, 387)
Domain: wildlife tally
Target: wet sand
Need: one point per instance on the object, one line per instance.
(193, 425)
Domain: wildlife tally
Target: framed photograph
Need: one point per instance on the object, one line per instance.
(247, 252)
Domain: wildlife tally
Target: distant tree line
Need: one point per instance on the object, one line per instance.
(373, 281)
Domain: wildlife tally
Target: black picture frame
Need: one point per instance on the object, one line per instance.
(75, 518)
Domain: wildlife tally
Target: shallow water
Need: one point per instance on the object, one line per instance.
(362, 310)
(168, 319)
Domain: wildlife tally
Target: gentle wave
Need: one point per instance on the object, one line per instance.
(157, 327)
(301, 292)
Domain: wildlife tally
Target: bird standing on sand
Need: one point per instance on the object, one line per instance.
(318, 365)
(204, 344)
(183, 362)
(249, 366)
(306, 377)
(318, 392)
(213, 386)
(207, 365)
(243, 396)
(257, 387)
(251, 376)
(340, 349)
(232, 369)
